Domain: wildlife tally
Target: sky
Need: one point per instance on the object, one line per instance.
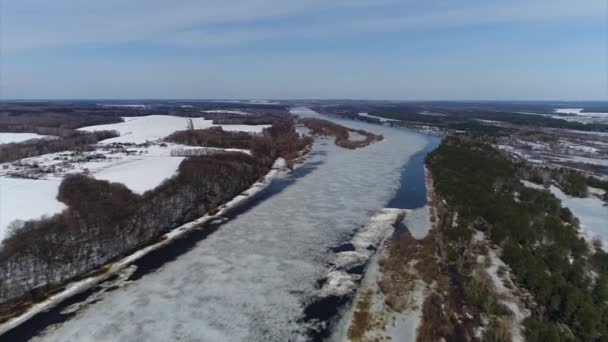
(287, 49)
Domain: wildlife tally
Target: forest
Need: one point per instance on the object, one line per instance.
(539, 239)
(571, 182)
(460, 115)
(75, 140)
(104, 221)
(342, 134)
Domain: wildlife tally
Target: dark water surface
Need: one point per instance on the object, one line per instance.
(412, 192)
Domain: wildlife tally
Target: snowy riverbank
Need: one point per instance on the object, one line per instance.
(115, 267)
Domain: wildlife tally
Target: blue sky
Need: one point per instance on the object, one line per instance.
(364, 49)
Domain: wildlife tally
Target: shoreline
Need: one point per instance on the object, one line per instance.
(74, 288)
(369, 315)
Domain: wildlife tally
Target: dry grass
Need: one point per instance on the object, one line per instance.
(498, 331)
(405, 262)
(362, 318)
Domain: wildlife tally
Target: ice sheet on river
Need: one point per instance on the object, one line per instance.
(248, 280)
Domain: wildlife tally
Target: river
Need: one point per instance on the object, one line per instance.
(251, 278)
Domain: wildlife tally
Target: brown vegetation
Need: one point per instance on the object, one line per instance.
(341, 133)
(278, 140)
(406, 261)
(212, 137)
(362, 317)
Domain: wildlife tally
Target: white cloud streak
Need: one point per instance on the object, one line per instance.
(36, 24)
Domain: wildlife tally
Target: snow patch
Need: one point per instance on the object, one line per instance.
(143, 174)
(7, 138)
(150, 128)
(225, 111)
(418, 222)
(591, 213)
(26, 199)
(532, 185)
(365, 242)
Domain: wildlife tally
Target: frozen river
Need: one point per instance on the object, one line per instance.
(250, 280)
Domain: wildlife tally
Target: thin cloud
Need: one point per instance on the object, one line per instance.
(35, 24)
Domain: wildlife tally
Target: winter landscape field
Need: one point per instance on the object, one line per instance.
(264, 267)
(303, 171)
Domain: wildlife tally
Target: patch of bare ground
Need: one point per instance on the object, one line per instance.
(405, 261)
(445, 313)
(363, 318)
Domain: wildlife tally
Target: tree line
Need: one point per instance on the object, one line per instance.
(539, 239)
(75, 140)
(341, 133)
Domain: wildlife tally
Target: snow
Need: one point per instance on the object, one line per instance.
(377, 117)
(6, 138)
(143, 174)
(591, 213)
(140, 168)
(141, 129)
(533, 145)
(507, 296)
(532, 185)
(584, 160)
(579, 147)
(354, 136)
(123, 268)
(25, 199)
(225, 111)
(579, 111)
(418, 222)
(248, 280)
(398, 326)
(340, 283)
(140, 106)
(601, 134)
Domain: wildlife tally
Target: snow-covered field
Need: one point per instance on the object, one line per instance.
(140, 168)
(249, 280)
(591, 212)
(26, 199)
(577, 115)
(143, 174)
(225, 111)
(579, 111)
(6, 138)
(141, 129)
